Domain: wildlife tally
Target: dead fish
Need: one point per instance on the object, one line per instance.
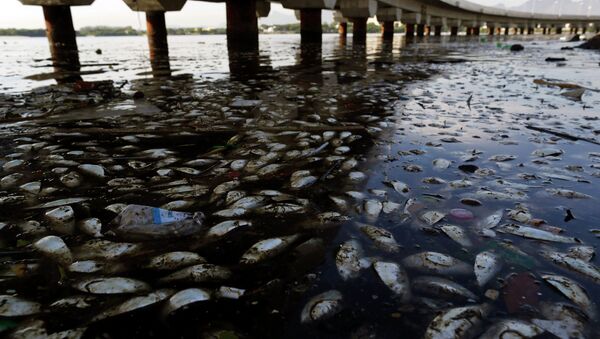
(230, 213)
(283, 208)
(54, 248)
(492, 220)
(389, 207)
(572, 290)
(234, 196)
(569, 194)
(432, 217)
(71, 302)
(135, 303)
(457, 234)
(441, 163)
(91, 227)
(585, 253)
(509, 328)
(11, 306)
(442, 288)
(227, 292)
(322, 306)
(198, 274)
(174, 260)
(535, 233)
(92, 170)
(225, 187)
(71, 179)
(437, 263)
(502, 196)
(460, 322)
(269, 169)
(564, 320)
(267, 248)
(104, 249)
(547, 152)
(373, 209)
(487, 265)
(61, 219)
(184, 298)
(398, 186)
(347, 259)
(31, 187)
(357, 176)
(303, 182)
(574, 264)
(341, 203)
(382, 238)
(394, 277)
(111, 285)
(88, 266)
(225, 227)
(502, 157)
(249, 203)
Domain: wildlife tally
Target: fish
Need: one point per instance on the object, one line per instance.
(134, 304)
(373, 208)
(492, 220)
(394, 277)
(398, 186)
(575, 264)
(174, 260)
(437, 263)
(184, 298)
(267, 248)
(198, 274)
(512, 328)
(111, 285)
(225, 227)
(382, 238)
(347, 259)
(322, 306)
(487, 265)
(432, 217)
(572, 290)
(535, 233)
(54, 248)
(442, 288)
(457, 323)
(457, 234)
(11, 306)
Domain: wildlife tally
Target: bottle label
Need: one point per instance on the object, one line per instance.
(160, 216)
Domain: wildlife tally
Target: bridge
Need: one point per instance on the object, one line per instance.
(420, 17)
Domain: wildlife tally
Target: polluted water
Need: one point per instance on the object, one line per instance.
(444, 188)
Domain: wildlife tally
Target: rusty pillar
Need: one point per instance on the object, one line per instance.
(156, 29)
(242, 25)
(359, 30)
(438, 30)
(310, 25)
(343, 28)
(420, 30)
(454, 31)
(63, 44)
(387, 30)
(410, 30)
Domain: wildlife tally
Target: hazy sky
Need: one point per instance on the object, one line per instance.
(116, 13)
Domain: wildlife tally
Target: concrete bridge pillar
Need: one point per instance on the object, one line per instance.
(559, 30)
(242, 25)
(584, 30)
(438, 30)
(544, 30)
(476, 30)
(454, 31)
(420, 30)
(343, 28)
(310, 25)
(410, 30)
(387, 30)
(358, 11)
(61, 36)
(491, 30)
(359, 30)
(530, 31)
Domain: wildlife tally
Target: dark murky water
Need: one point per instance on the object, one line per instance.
(457, 122)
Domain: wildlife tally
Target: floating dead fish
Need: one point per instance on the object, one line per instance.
(92, 170)
(174, 260)
(54, 248)
(441, 163)
(135, 303)
(11, 306)
(491, 221)
(457, 234)
(227, 292)
(394, 277)
(585, 253)
(442, 288)
(373, 208)
(71, 179)
(574, 264)
(502, 196)
(437, 263)
(234, 196)
(347, 259)
(357, 176)
(502, 157)
(432, 217)
(91, 226)
(249, 202)
(487, 265)
(398, 186)
(389, 207)
(31, 187)
(509, 328)
(382, 238)
(88, 266)
(572, 290)
(322, 306)
(61, 219)
(267, 248)
(225, 227)
(111, 285)
(535, 233)
(185, 298)
(104, 249)
(198, 274)
(460, 322)
(569, 194)
(564, 320)
(547, 152)
(283, 208)
(73, 302)
(303, 182)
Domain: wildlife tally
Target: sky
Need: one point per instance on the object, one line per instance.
(116, 13)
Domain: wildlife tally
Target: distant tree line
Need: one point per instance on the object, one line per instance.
(130, 31)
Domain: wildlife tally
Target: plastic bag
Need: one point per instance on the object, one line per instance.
(137, 222)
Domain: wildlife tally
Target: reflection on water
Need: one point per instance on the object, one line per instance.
(398, 179)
